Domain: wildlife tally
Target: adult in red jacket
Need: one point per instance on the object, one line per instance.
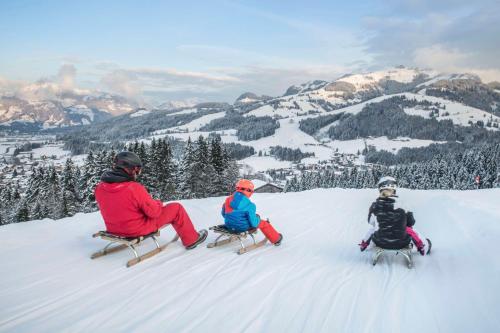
(128, 210)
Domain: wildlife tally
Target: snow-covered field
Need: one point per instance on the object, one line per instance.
(381, 143)
(317, 281)
(51, 150)
(289, 134)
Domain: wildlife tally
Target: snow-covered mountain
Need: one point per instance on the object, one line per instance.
(384, 110)
(170, 105)
(423, 93)
(305, 87)
(248, 98)
(316, 281)
(47, 104)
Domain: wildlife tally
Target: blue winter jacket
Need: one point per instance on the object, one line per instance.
(239, 213)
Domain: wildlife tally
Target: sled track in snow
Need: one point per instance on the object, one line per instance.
(316, 281)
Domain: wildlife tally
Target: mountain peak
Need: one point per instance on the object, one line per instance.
(250, 97)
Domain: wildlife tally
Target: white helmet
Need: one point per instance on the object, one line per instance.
(387, 183)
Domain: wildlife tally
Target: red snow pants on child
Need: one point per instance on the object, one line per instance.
(175, 214)
(269, 231)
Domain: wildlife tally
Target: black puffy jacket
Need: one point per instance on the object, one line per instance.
(391, 233)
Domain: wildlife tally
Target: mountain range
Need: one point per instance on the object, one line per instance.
(47, 104)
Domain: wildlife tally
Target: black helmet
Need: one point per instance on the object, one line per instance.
(127, 160)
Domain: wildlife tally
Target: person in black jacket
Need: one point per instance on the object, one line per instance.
(391, 228)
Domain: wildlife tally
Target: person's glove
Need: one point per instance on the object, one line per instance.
(363, 245)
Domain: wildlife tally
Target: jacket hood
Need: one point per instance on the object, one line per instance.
(113, 187)
(385, 203)
(116, 176)
(240, 201)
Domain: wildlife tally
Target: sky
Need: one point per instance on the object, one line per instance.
(156, 51)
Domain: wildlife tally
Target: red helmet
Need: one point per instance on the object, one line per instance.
(245, 186)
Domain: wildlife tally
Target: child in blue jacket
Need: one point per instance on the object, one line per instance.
(240, 213)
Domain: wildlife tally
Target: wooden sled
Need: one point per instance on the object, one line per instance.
(131, 243)
(406, 252)
(227, 236)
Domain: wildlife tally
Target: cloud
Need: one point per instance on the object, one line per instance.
(134, 82)
(123, 83)
(412, 7)
(45, 88)
(461, 35)
(446, 60)
(9, 87)
(218, 84)
(440, 58)
(66, 77)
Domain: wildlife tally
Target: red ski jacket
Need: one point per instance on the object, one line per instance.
(127, 208)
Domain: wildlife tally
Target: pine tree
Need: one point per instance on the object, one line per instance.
(22, 214)
(230, 174)
(70, 197)
(52, 193)
(203, 173)
(217, 160)
(37, 212)
(186, 171)
(88, 181)
(166, 176)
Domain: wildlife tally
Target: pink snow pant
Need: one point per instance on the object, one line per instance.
(414, 237)
(175, 214)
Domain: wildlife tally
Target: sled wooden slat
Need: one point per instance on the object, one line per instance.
(131, 243)
(222, 242)
(252, 247)
(230, 237)
(108, 251)
(146, 255)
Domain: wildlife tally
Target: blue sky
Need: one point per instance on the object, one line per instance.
(216, 50)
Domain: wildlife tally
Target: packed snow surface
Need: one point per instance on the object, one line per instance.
(316, 281)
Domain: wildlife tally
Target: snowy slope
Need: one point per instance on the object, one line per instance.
(289, 135)
(317, 281)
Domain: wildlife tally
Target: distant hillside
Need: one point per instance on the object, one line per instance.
(389, 110)
(47, 105)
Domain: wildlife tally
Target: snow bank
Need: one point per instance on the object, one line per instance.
(317, 281)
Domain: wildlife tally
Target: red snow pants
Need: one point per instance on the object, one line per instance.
(269, 231)
(175, 214)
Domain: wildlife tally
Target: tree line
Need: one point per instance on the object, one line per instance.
(288, 154)
(451, 171)
(248, 128)
(204, 170)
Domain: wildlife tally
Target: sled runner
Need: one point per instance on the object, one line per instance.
(131, 243)
(227, 236)
(406, 252)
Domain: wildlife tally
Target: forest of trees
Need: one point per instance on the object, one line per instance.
(451, 171)
(288, 154)
(312, 125)
(247, 128)
(238, 151)
(82, 139)
(387, 118)
(476, 95)
(204, 170)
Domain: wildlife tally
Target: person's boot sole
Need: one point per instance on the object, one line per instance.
(278, 243)
(201, 238)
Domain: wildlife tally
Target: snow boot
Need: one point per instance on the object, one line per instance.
(202, 235)
(278, 242)
(269, 231)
